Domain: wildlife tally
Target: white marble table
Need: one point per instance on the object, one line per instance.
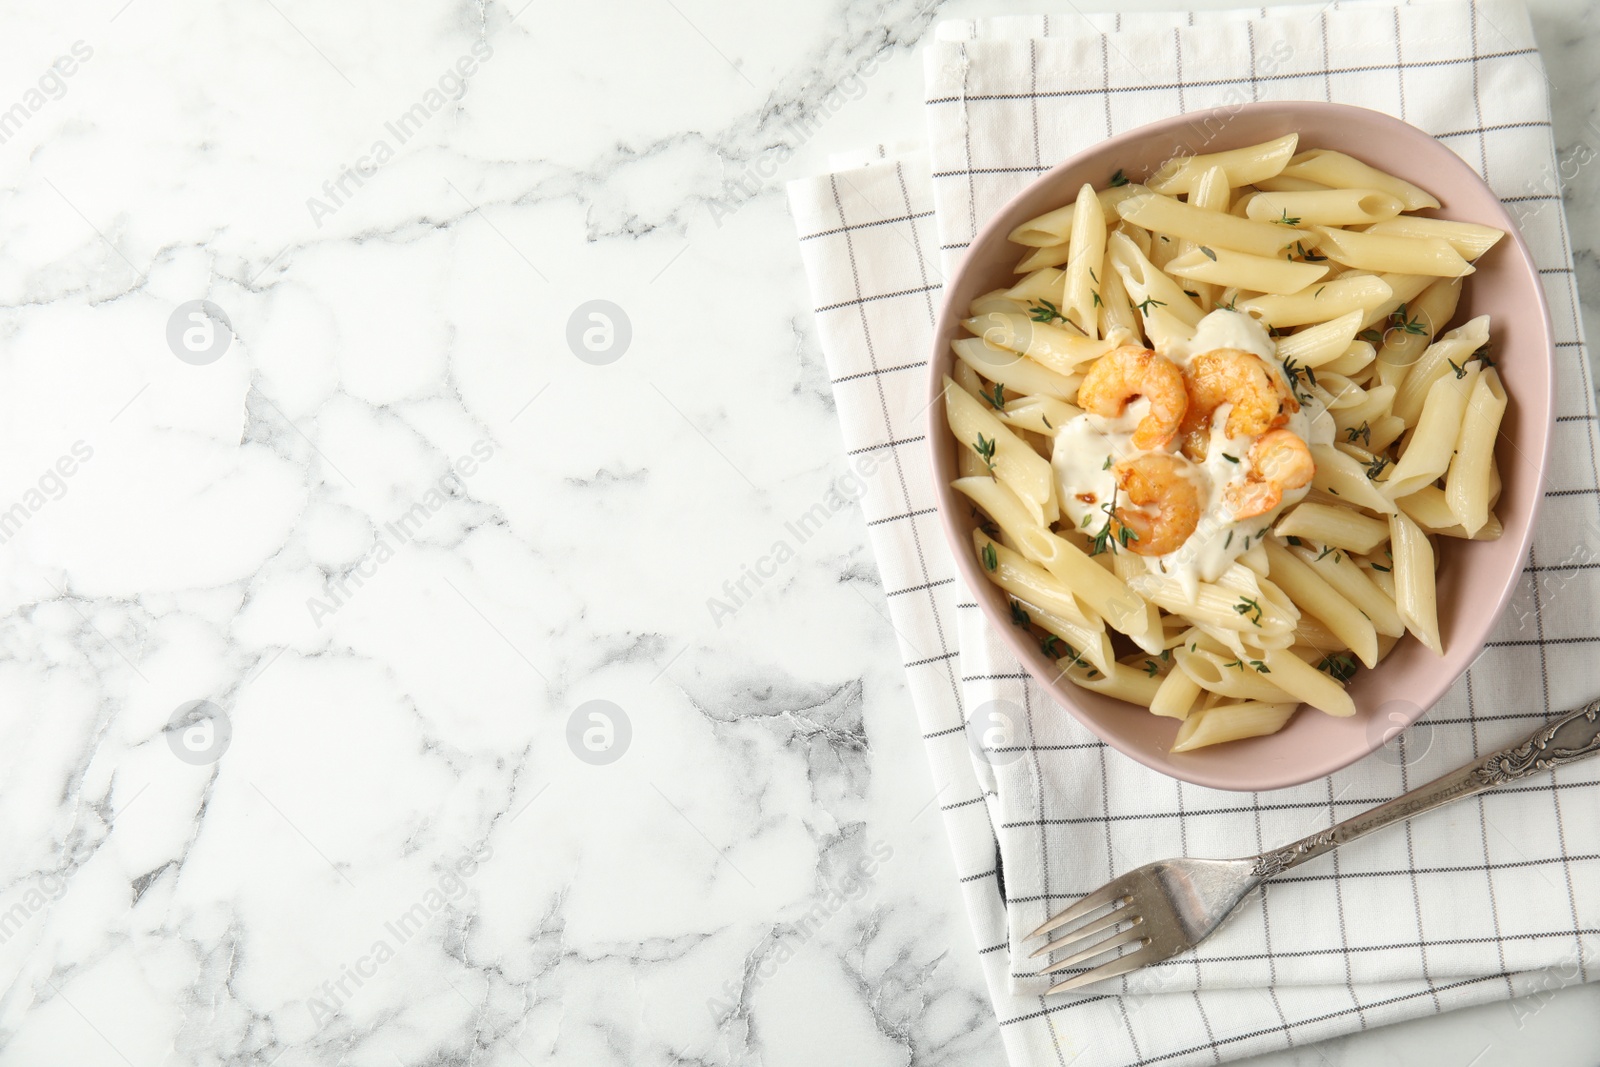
(406, 517)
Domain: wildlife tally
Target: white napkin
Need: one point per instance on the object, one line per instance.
(1485, 900)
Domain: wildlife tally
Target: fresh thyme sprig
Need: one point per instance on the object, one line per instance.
(1377, 466)
(1295, 371)
(1362, 433)
(1341, 666)
(1249, 606)
(985, 447)
(1119, 178)
(1044, 311)
(1404, 324)
(997, 399)
(1108, 538)
(1018, 616)
(991, 558)
(1149, 302)
(1286, 219)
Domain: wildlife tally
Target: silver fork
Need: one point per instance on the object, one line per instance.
(1173, 905)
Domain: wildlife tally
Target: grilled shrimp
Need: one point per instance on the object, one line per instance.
(1279, 461)
(1167, 503)
(1260, 400)
(1128, 372)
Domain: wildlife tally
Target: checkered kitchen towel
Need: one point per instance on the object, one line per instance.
(1489, 899)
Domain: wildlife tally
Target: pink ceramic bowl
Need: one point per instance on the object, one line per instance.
(1476, 579)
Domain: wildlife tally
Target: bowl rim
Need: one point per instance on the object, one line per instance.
(943, 462)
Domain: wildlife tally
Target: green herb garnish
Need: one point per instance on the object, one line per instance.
(991, 558)
(1150, 302)
(1119, 178)
(985, 447)
(1398, 317)
(1362, 433)
(1342, 666)
(1044, 311)
(1249, 606)
(1295, 371)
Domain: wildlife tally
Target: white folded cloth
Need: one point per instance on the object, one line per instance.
(1488, 899)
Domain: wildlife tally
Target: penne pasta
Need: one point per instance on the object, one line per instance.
(1307, 684)
(1081, 288)
(1063, 351)
(1340, 527)
(1123, 682)
(1467, 485)
(1230, 675)
(1316, 597)
(1385, 253)
(1345, 478)
(1414, 324)
(1013, 371)
(1026, 580)
(1011, 459)
(1415, 594)
(1328, 207)
(1163, 214)
(1319, 344)
(1244, 166)
(1454, 349)
(1041, 414)
(1225, 267)
(1232, 722)
(1055, 227)
(1469, 239)
(1433, 441)
(1046, 256)
(1355, 586)
(1043, 284)
(1320, 303)
(1339, 171)
(1176, 695)
(1147, 287)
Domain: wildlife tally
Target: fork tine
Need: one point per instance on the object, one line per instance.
(1097, 949)
(1110, 918)
(1121, 965)
(1099, 898)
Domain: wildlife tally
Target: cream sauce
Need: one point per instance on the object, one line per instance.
(1086, 484)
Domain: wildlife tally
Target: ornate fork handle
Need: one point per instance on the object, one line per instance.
(1569, 739)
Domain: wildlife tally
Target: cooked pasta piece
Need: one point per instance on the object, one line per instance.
(1232, 722)
(1328, 207)
(1339, 171)
(1468, 238)
(1384, 253)
(1467, 486)
(1243, 165)
(1415, 593)
(1340, 527)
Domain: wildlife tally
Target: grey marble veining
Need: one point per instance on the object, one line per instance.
(538, 725)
